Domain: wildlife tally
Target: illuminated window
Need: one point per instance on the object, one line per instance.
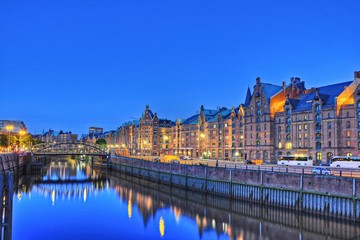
(299, 127)
(288, 145)
(348, 124)
(348, 134)
(280, 145)
(305, 127)
(349, 154)
(318, 156)
(300, 136)
(348, 143)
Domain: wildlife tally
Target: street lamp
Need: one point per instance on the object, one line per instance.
(9, 128)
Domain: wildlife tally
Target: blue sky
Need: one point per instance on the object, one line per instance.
(73, 64)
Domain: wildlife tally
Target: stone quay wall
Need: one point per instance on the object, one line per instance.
(318, 194)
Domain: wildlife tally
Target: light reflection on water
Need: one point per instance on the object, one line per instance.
(71, 201)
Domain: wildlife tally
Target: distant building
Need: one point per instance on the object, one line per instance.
(17, 126)
(55, 136)
(95, 130)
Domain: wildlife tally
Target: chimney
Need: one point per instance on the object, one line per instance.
(284, 86)
(258, 79)
(356, 74)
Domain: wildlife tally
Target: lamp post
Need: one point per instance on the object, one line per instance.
(9, 128)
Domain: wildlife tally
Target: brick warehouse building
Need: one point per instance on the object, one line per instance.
(274, 120)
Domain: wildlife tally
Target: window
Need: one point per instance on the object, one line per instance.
(329, 115)
(279, 136)
(348, 134)
(347, 114)
(329, 125)
(226, 125)
(329, 134)
(264, 127)
(258, 112)
(348, 143)
(258, 104)
(288, 112)
(288, 120)
(317, 118)
(300, 143)
(288, 138)
(288, 145)
(258, 128)
(299, 127)
(258, 120)
(305, 127)
(305, 135)
(319, 156)
(258, 143)
(287, 129)
(318, 108)
(300, 136)
(279, 129)
(349, 154)
(348, 124)
(318, 145)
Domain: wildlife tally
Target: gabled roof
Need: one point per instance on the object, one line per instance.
(191, 120)
(166, 123)
(224, 113)
(326, 93)
(269, 90)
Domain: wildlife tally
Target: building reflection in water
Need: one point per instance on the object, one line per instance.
(235, 219)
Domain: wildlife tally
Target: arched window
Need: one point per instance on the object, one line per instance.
(258, 143)
(329, 155)
(288, 120)
(318, 118)
(258, 112)
(288, 138)
(318, 108)
(258, 128)
(258, 120)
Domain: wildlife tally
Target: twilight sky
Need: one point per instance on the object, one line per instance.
(71, 64)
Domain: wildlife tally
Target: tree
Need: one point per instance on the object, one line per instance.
(101, 142)
(3, 140)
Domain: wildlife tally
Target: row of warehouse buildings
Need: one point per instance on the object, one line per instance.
(274, 120)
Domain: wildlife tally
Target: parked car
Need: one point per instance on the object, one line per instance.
(321, 170)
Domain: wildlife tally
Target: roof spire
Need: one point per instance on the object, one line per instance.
(248, 97)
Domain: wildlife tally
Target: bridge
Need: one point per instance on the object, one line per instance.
(69, 148)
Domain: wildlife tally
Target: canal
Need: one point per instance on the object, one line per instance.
(70, 200)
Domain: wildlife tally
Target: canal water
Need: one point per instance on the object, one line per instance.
(70, 200)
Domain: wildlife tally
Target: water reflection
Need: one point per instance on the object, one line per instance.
(72, 201)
